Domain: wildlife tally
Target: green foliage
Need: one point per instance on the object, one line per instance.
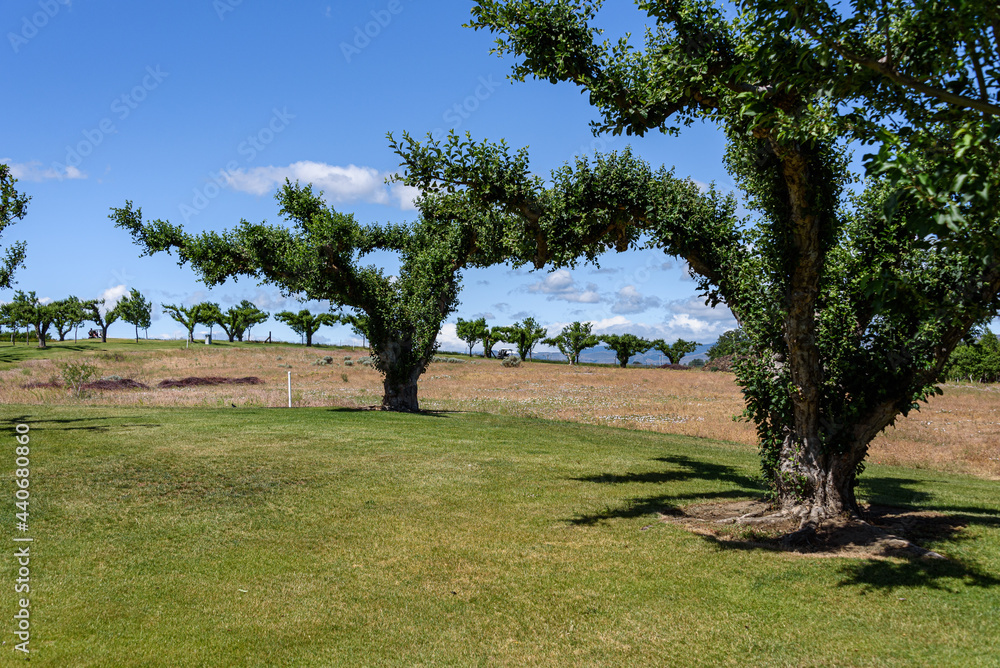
(190, 316)
(524, 334)
(99, 313)
(318, 258)
(978, 362)
(305, 323)
(732, 342)
(625, 346)
(13, 207)
(676, 351)
(471, 331)
(69, 314)
(850, 305)
(237, 320)
(135, 310)
(573, 340)
(27, 310)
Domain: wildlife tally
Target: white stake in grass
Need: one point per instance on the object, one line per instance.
(289, 389)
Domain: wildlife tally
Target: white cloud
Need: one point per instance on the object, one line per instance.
(560, 284)
(111, 297)
(630, 300)
(34, 171)
(339, 184)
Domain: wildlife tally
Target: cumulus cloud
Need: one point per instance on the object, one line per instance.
(111, 297)
(339, 184)
(630, 300)
(34, 171)
(561, 285)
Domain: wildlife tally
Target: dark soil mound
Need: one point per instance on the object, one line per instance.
(679, 367)
(116, 384)
(40, 385)
(195, 381)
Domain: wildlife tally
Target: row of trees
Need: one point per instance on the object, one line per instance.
(578, 336)
(524, 335)
(25, 310)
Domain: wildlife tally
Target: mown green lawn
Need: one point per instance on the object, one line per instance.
(176, 537)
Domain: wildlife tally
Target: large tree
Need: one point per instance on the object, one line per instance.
(318, 258)
(851, 304)
(13, 207)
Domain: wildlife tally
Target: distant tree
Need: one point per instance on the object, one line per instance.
(733, 342)
(573, 340)
(491, 336)
(189, 316)
(13, 206)
(525, 335)
(471, 331)
(625, 346)
(29, 310)
(69, 314)
(136, 310)
(675, 352)
(236, 320)
(9, 318)
(978, 362)
(305, 323)
(102, 316)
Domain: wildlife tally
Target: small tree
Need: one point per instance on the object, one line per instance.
(69, 314)
(490, 337)
(625, 346)
(525, 334)
(13, 206)
(573, 340)
(675, 352)
(236, 320)
(136, 310)
(102, 316)
(305, 323)
(471, 331)
(189, 316)
(29, 310)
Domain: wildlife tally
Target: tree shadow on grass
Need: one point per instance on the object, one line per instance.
(379, 409)
(885, 575)
(62, 424)
(682, 469)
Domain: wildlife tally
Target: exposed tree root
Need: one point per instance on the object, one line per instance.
(881, 532)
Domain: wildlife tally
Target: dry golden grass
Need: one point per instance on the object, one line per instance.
(958, 432)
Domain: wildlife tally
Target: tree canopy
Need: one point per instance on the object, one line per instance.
(851, 303)
(318, 258)
(573, 340)
(625, 346)
(305, 322)
(675, 351)
(13, 207)
(136, 310)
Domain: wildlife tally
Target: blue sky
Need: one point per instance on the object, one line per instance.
(156, 102)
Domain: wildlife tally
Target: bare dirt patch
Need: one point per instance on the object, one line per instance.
(881, 532)
(116, 384)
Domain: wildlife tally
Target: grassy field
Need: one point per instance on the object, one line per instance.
(312, 536)
(172, 528)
